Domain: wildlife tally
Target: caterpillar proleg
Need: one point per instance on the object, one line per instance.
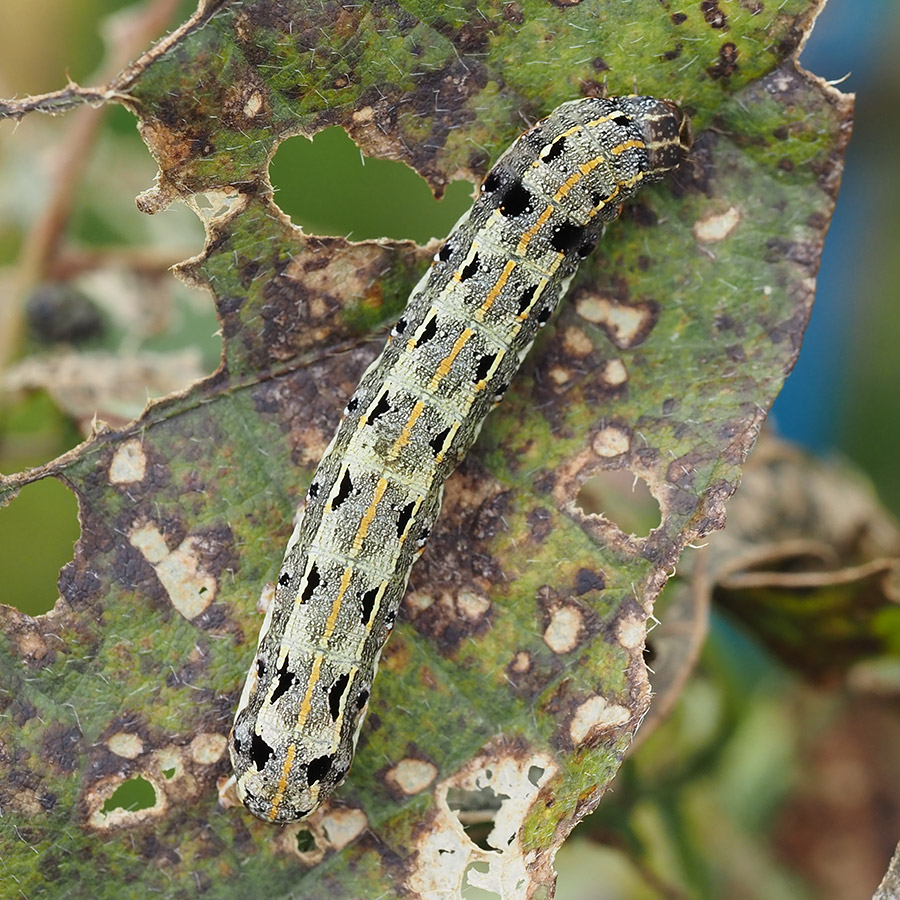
(375, 496)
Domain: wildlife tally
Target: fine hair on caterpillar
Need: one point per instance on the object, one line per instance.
(469, 323)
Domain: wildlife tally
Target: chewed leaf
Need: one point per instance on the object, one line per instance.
(514, 680)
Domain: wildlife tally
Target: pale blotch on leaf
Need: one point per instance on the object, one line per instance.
(214, 207)
(169, 762)
(207, 748)
(717, 227)
(576, 342)
(630, 632)
(472, 606)
(129, 464)
(31, 645)
(596, 715)
(411, 776)
(364, 115)
(614, 440)
(624, 324)
(128, 746)
(253, 105)
(343, 826)
(190, 589)
(563, 633)
(521, 663)
(418, 601)
(323, 833)
(614, 372)
(446, 859)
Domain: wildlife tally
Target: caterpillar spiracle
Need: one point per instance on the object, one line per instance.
(376, 494)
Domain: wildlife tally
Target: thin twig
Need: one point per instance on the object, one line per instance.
(43, 241)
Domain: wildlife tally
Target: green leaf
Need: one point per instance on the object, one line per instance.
(515, 679)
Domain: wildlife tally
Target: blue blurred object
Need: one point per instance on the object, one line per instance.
(847, 40)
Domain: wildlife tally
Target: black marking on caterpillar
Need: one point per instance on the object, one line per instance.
(420, 407)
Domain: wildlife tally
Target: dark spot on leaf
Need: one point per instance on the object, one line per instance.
(713, 15)
(674, 53)
(726, 65)
(586, 580)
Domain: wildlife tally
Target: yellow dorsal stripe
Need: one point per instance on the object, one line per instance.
(306, 703)
(369, 515)
(283, 781)
(528, 235)
(494, 292)
(446, 363)
(336, 607)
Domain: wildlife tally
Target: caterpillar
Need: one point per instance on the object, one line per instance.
(374, 498)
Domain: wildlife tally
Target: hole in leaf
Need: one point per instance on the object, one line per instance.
(306, 841)
(535, 774)
(131, 795)
(479, 868)
(622, 498)
(38, 530)
(476, 811)
(326, 186)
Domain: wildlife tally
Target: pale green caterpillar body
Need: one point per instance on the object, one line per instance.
(375, 496)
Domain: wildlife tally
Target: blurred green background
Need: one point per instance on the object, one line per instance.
(731, 745)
